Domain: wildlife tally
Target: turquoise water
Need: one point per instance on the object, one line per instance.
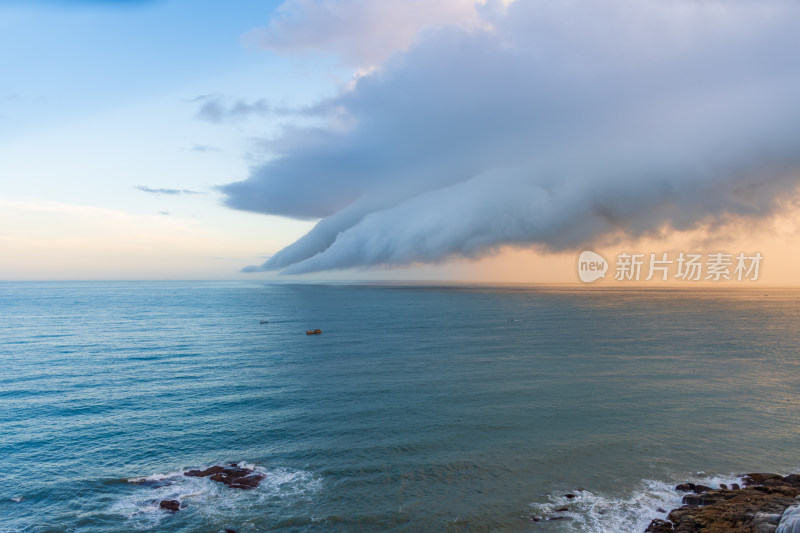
(419, 408)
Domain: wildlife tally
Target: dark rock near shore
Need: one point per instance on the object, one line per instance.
(752, 480)
(205, 473)
(707, 498)
(152, 483)
(659, 526)
(170, 505)
(234, 476)
(756, 508)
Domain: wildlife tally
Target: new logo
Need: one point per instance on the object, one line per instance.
(591, 266)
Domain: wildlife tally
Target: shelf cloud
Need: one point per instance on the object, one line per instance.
(548, 124)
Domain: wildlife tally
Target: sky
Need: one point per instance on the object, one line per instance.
(357, 139)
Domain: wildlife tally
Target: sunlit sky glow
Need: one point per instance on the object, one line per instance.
(451, 140)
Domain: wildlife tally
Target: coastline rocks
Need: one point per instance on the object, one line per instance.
(757, 508)
(234, 476)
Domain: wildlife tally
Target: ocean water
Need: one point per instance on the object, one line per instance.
(419, 407)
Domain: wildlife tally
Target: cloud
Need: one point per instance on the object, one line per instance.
(360, 32)
(218, 109)
(204, 148)
(172, 192)
(554, 125)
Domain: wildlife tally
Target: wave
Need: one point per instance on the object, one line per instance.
(281, 486)
(588, 512)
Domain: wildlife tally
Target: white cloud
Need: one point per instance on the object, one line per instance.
(556, 124)
(360, 32)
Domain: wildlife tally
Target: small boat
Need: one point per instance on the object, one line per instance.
(264, 322)
(313, 331)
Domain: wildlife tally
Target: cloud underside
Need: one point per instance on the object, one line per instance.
(169, 192)
(550, 125)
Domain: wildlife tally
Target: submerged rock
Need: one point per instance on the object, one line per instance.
(170, 505)
(152, 483)
(234, 476)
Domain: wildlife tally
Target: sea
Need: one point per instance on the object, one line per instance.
(419, 407)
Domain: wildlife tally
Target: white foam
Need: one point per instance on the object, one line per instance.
(210, 498)
(630, 513)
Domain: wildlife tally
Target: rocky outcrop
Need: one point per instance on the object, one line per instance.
(760, 506)
(234, 476)
(170, 505)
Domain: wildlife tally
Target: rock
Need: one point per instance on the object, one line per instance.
(766, 522)
(659, 526)
(729, 511)
(723, 486)
(170, 505)
(205, 473)
(236, 477)
(761, 479)
(660, 510)
(562, 510)
(536, 518)
(569, 496)
(708, 498)
(701, 499)
(793, 480)
(230, 531)
(768, 503)
(152, 483)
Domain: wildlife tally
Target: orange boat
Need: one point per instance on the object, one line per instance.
(313, 331)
